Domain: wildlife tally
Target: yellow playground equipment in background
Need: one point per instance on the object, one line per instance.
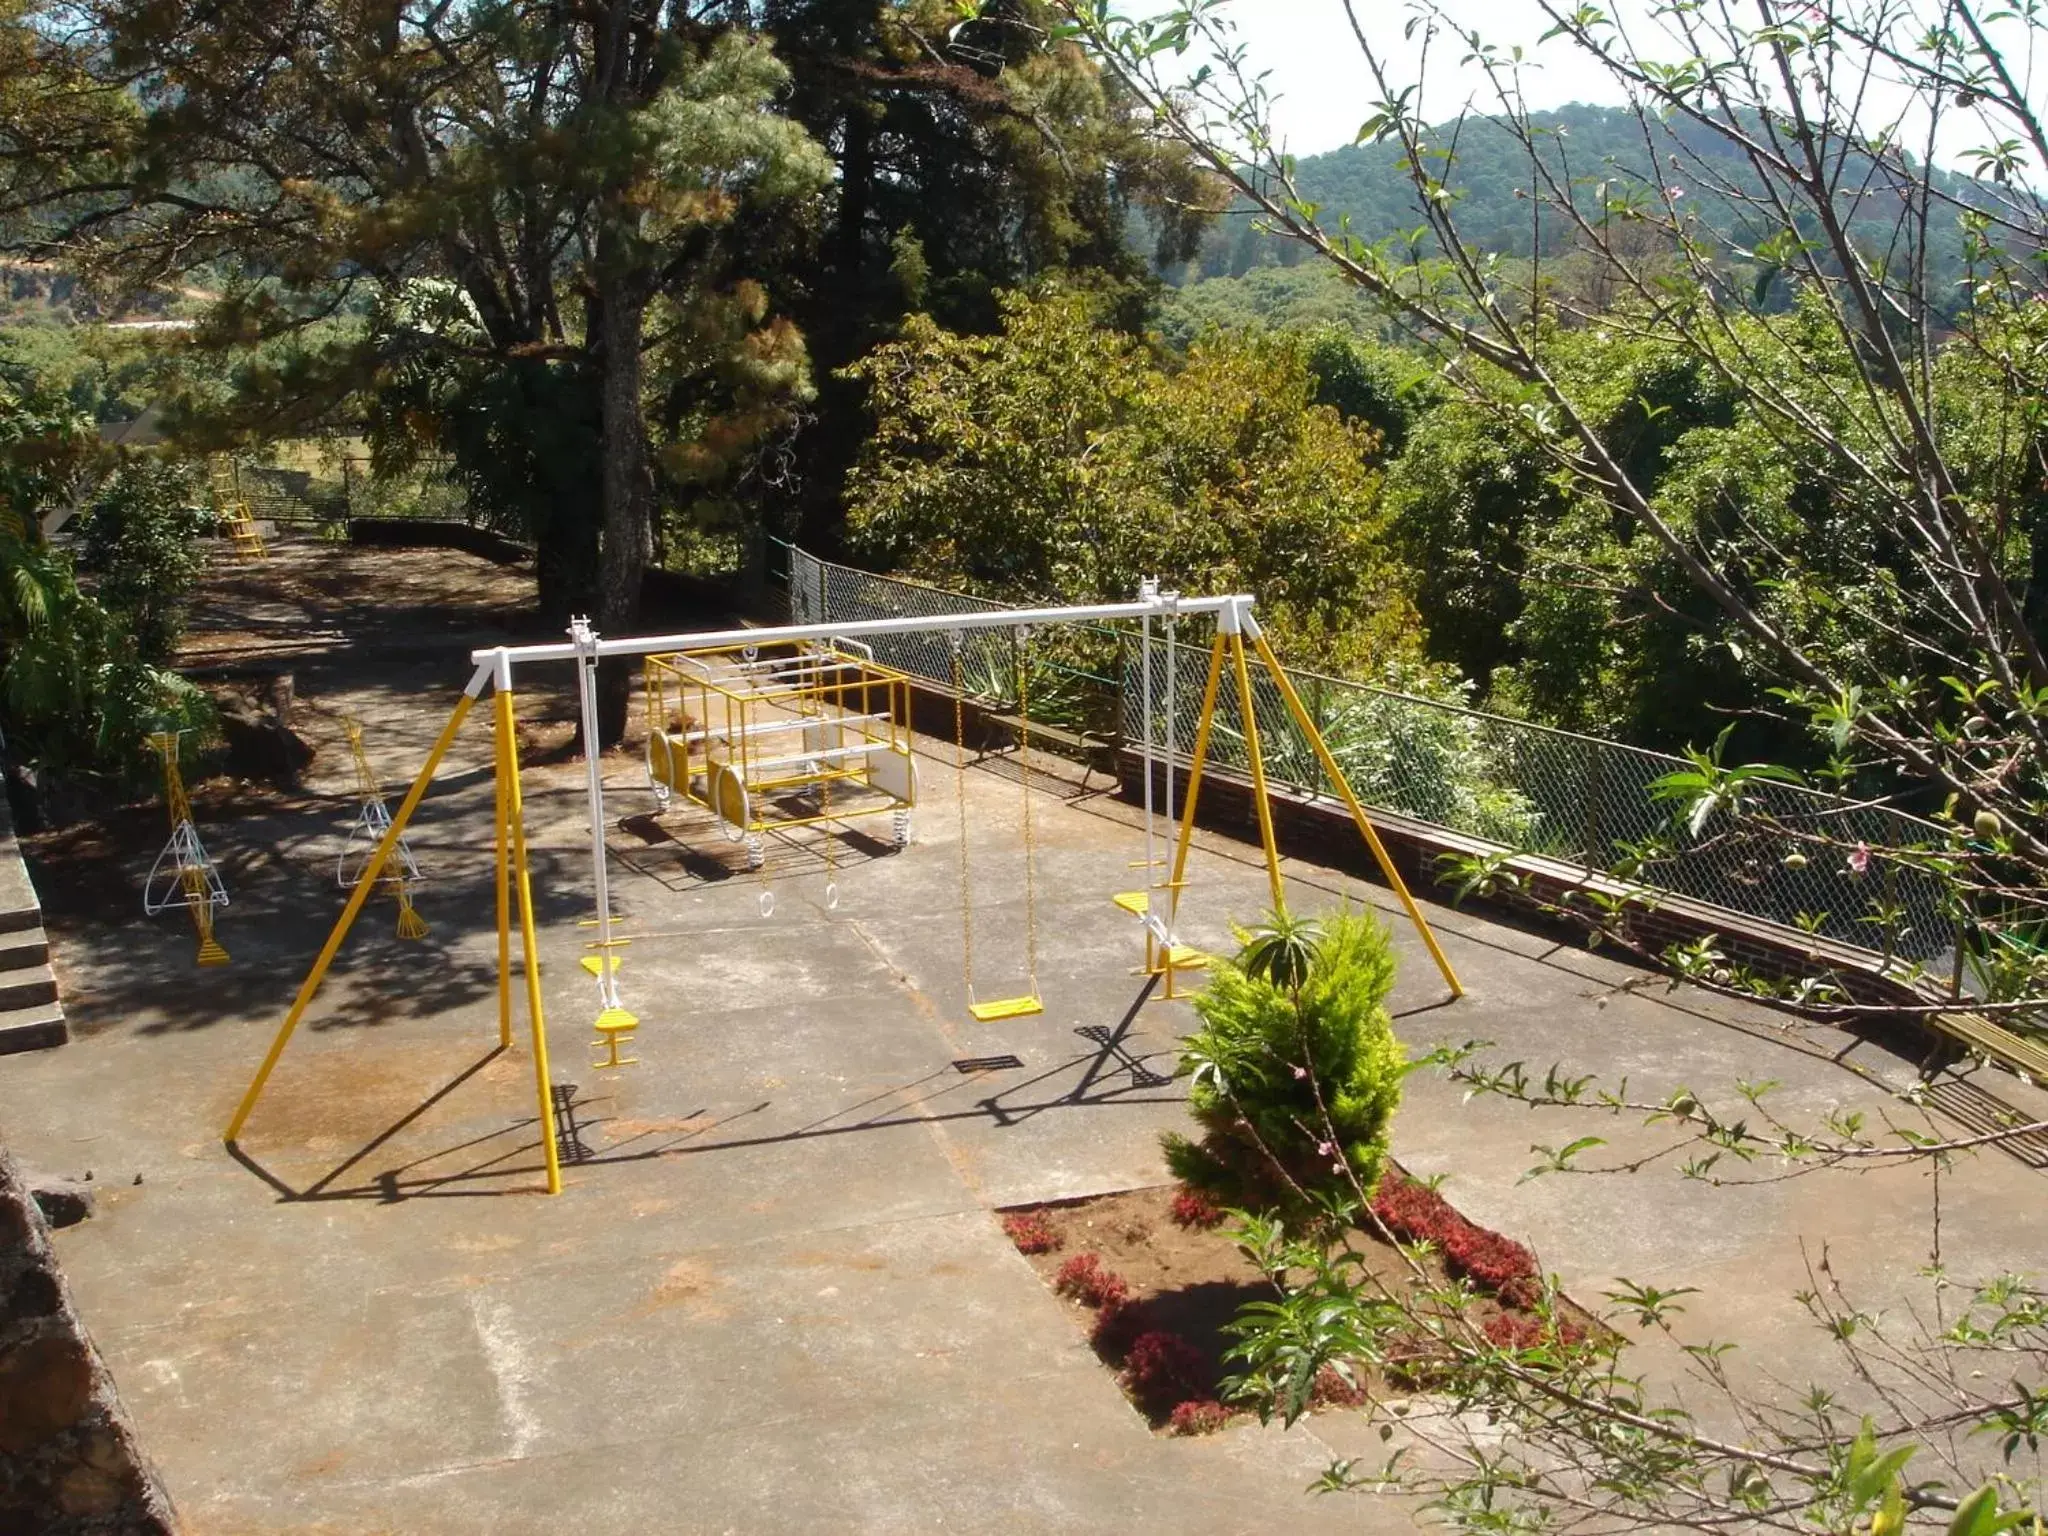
(401, 870)
(785, 736)
(184, 874)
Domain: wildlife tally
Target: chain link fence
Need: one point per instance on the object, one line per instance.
(1533, 788)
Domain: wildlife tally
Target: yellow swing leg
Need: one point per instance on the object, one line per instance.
(366, 882)
(515, 812)
(1358, 816)
(502, 822)
(1173, 958)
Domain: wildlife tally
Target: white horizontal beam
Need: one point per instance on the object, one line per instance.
(1231, 613)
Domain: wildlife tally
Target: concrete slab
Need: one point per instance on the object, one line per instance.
(774, 1295)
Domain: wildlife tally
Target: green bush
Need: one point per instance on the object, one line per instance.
(1295, 1091)
(140, 539)
(80, 689)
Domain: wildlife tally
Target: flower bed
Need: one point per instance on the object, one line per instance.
(1156, 1278)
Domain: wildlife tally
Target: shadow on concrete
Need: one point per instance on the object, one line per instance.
(678, 859)
(1110, 1076)
(279, 865)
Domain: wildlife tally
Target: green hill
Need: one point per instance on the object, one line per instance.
(1595, 151)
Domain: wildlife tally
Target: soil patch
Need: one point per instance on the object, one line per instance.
(1132, 1268)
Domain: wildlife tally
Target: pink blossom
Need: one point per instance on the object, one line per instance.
(1674, 193)
(1301, 1072)
(1326, 1149)
(1859, 859)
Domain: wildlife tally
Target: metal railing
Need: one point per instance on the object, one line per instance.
(1532, 788)
(1072, 680)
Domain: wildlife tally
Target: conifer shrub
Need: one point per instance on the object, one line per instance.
(1296, 1072)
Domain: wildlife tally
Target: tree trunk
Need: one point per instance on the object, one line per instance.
(626, 545)
(565, 554)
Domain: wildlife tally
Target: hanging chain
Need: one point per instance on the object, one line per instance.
(1024, 778)
(960, 794)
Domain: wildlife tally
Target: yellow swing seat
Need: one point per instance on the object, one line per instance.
(1137, 903)
(612, 1026)
(1006, 1008)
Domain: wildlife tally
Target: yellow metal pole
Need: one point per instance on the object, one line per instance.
(1258, 766)
(515, 804)
(1187, 811)
(365, 883)
(504, 834)
(1372, 838)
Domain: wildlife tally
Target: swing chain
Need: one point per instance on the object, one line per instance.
(953, 638)
(1024, 779)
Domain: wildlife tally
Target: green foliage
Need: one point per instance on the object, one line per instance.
(78, 692)
(1062, 461)
(1310, 297)
(1294, 1086)
(1282, 951)
(139, 538)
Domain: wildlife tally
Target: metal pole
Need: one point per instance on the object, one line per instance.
(999, 618)
(1149, 589)
(1172, 704)
(1187, 815)
(586, 682)
(503, 816)
(1261, 800)
(515, 800)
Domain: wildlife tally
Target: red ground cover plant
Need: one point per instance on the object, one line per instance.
(1415, 1213)
(1115, 1327)
(1163, 1369)
(1084, 1278)
(1198, 1416)
(1494, 1263)
(1191, 1208)
(1031, 1232)
(1331, 1390)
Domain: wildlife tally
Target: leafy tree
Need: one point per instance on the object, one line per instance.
(593, 183)
(79, 692)
(139, 538)
(972, 153)
(1060, 460)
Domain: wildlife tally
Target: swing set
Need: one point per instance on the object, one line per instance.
(762, 727)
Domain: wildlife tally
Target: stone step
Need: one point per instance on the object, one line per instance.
(19, 906)
(23, 947)
(35, 1028)
(28, 987)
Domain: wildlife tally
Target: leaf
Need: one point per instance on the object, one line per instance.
(1979, 1515)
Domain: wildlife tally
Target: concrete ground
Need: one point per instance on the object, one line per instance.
(773, 1295)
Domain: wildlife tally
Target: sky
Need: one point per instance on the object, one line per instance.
(1325, 90)
(1322, 81)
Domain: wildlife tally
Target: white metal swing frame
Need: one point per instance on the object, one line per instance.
(495, 668)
